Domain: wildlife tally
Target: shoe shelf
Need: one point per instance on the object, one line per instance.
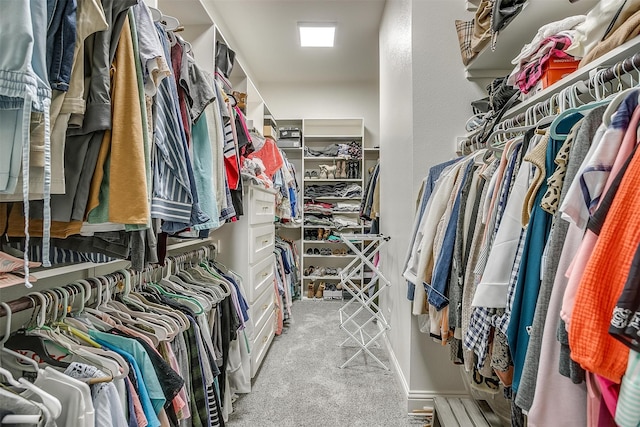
(314, 180)
(327, 278)
(325, 158)
(329, 256)
(332, 198)
(322, 242)
(332, 227)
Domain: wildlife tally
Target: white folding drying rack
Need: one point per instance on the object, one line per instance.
(363, 296)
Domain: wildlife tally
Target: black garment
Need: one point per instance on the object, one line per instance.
(625, 322)
(170, 381)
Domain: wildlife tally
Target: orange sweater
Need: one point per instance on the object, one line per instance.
(603, 280)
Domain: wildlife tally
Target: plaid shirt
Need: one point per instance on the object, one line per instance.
(483, 319)
(551, 47)
(502, 322)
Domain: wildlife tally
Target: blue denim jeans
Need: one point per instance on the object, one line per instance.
(61, 42)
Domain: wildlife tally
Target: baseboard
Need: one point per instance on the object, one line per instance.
(416, 399)
(402, 381)
(419, 399)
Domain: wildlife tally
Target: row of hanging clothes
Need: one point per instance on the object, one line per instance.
(287, 274)
(524, 256)
(124, 139)
(370, 204)
(162, 347)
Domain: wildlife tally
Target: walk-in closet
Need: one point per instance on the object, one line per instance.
(312, 213)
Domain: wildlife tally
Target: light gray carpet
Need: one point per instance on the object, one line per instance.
(300, 382)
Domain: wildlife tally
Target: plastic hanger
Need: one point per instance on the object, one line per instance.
(51, 402)
(20, 340)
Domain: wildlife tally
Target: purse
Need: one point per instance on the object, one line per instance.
(494, 119)
(499, 93)
(504, 11)
(482, 26)
(464, 29)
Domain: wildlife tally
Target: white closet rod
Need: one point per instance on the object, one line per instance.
(581, 87)
(27, 302)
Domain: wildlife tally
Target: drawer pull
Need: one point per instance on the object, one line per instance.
(265, 274)
(264, 242)
(265, 339)
(264, 307)
(264, 208)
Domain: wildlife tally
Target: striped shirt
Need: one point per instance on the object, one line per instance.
(172, 199)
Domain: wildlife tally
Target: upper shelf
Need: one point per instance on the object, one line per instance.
(612, 57)
(328, 128)
(536, 13)
(188, 12)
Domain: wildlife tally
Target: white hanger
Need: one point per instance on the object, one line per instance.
(51, 402)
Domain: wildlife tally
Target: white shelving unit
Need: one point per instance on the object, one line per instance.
(317, 134)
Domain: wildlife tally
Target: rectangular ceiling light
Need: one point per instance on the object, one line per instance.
(316, 35)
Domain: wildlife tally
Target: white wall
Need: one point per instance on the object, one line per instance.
(324, 100)
(424, 99)
(396, 130)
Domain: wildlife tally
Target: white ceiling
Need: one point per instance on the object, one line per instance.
(266, 36)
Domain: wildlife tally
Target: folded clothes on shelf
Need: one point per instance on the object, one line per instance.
(341, 189)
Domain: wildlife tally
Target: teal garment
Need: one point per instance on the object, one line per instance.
(137, 351)
(204, 174)
(529, 279)
(145, 401)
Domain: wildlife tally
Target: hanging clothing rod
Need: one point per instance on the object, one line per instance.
(603, 76)
(583, 86)
(26, 302)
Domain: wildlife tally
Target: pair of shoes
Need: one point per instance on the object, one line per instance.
(323, 171)
(310, 290)
(339, 251)
(308, 271)
(323, 234)
(320, 290)
(325, 251)
(342, 169)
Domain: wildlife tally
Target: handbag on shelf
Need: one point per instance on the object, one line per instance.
(504, 11)
(493, 119)
(474, 35)
(499, 93)
(482, 26)
(464, 29)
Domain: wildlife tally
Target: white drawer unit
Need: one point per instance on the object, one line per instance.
(262, 309)
(247, 248)
(261, 241)
(262, 208)
(261, 276)
(261, 343)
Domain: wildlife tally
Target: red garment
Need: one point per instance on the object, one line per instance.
(270, 156)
